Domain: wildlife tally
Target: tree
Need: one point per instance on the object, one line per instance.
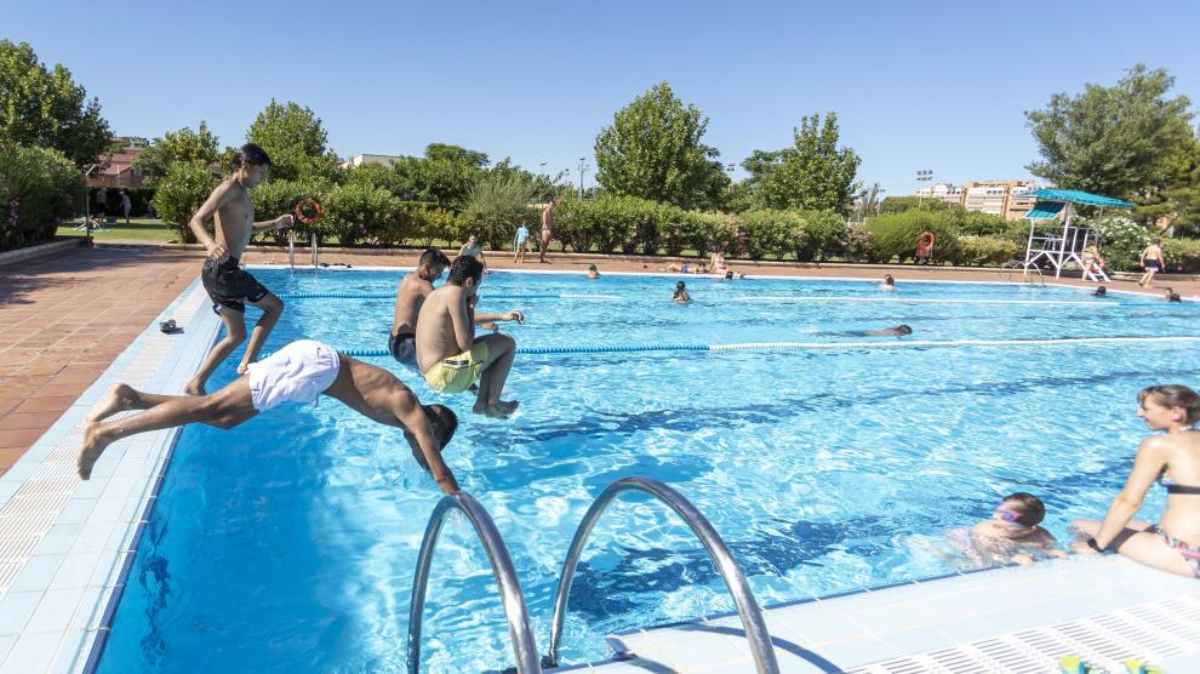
(44, 108)
(653, 150)
(1114, 140)
(184, 145)
(181, 192)
(497, 204)
(1173, 201)
(813, 174)
(295, 140)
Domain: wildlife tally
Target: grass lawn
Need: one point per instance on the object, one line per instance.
(140, 229)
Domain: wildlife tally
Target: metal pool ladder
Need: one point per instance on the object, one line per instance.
(743, 598)
(524, 647)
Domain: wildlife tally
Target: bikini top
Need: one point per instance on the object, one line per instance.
(1173, 488)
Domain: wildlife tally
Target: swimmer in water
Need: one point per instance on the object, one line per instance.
(1013, 534)
(889, 283)
(1100, 292)
(898, 331)
(681, 295)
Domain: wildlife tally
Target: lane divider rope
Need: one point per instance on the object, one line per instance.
(821, 346)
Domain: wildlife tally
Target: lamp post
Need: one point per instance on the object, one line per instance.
(583, 167)
(924, 176)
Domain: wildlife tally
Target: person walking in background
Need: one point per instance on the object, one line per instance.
(521, 243)
(1152, 261)
(547, 228)
(126, 205)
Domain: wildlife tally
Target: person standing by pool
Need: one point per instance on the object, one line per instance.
(299, 372)
(230, 286)
(1152, 261)
(547, 228)
(410, 295)
(449, 355)
(1173, 544)
(521, 243)
(472, 248)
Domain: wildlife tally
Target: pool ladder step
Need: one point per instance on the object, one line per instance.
(524, 644)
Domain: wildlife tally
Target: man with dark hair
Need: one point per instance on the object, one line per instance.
(449, 355)
(1013, 532)
(299, 373)
(230, 286)
(410, 295)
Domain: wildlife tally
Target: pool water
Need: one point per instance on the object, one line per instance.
(288, 544)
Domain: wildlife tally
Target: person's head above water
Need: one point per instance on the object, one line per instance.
(592, 267)
(1100, 292)
(466, 271)
(729, 274)
(1021, 508)
(443, 421)
(903, 329)
(680, 285)
(1171, 295)
(1165, 405)
(251, 164)
(432, 263)
(888, 280)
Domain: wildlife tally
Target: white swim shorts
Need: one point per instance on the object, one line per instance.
(299, 372)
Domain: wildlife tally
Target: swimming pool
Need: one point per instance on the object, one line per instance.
(288, 544)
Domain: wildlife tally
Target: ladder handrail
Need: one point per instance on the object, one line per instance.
(524, 646)
(747, 607)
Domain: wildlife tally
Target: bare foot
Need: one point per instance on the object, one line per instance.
(119, 398)
(500, 410)
(243, 368)
(93, 446)
(194, 388)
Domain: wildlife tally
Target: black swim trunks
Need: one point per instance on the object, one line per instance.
(403, 348)
(229, 285)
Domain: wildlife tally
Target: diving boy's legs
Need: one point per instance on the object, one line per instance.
(225, 409)
(495, 369)
(235, 334)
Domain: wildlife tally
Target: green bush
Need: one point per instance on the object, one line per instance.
(768, 232)
(496, 205)
(1121, 240)
(823, 235)
(358, 212)
(894, 235)
(981, 224)
(279, 197)
(859, 245)
(39, 187)
(1182, 255)
(986, 251)
(181, 193)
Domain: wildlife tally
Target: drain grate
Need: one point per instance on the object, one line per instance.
(1147, 631)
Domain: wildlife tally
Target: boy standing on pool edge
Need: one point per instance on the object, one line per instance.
(229, 286)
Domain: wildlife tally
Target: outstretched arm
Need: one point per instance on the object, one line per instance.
(416, 424)
(513, 315)
(1146, 467)
(282, 222)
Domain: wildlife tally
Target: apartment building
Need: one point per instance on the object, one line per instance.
(950, 194)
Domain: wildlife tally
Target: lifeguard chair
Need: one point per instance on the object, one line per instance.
(1068, 245)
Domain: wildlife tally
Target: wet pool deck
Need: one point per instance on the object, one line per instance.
(73, 324)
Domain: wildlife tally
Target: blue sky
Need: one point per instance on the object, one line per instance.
(916, 85)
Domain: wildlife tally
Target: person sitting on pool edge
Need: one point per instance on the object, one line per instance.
(1173, 544)
(449, 355)
(299, 372)
(592, 272)
(681, 295)
(1013, 532)
(410, 295)
(889, 283)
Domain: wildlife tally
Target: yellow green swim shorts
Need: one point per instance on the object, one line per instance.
(456, 373)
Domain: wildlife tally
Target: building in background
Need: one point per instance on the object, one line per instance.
(945, 192)
(116, 168)
(1010, 199)
(377, 159)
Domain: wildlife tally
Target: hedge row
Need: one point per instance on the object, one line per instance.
(39, 188)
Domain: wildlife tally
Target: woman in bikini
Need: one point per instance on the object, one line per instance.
(1172, 459)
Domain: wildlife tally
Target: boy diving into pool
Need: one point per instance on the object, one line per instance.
(449, 355)
(299, 372)
(229, 286)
